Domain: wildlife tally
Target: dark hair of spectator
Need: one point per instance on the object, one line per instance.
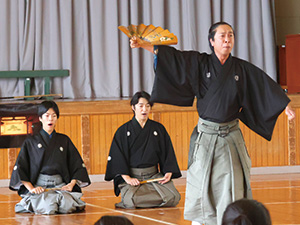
(45, 106)
(246, 212)
(212, 32)
(113, 220)
(141, 94)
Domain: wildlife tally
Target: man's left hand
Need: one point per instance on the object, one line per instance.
(166, 179)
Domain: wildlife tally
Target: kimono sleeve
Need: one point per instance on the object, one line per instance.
(168, 161)
(21, 170)
(262, 102)
(118, 159)
(76, 166)
(172, 84)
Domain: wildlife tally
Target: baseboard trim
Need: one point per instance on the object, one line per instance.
(274, 170)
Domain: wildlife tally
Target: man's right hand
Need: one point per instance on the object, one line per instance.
(37, 190)
(131, 181)
(136, 42)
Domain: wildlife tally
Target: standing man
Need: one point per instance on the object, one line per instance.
(228, 89)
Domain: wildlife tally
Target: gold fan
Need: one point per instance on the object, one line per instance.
(150, 34)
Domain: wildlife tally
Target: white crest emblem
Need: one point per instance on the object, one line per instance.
(109, 158)
(39, 145)
(15, 167)
(236, 77)
(128, 133)
(61, 148)
(155, 133)
(83, 165)
(208, 75)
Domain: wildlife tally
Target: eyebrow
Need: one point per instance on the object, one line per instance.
(230, 32)
(50, 113)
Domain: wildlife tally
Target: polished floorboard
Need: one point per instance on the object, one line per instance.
(279, 193)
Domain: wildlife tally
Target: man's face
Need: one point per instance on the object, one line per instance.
(49, 120)
(142, 109)
(224, 41)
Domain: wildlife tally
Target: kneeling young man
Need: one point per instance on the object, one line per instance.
(138, 148)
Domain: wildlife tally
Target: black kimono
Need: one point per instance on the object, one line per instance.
(219, 165)
(140, 148)
(41, 154)
(236, 89)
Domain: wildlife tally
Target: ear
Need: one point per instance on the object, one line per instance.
(40, 118)
(211, 42)
(133, 108)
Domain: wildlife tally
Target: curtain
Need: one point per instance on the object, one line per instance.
(83, 37)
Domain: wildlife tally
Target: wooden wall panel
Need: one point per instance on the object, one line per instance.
(4, 163)
(279, 143)
(12, 154)
(7, 159)
(71, 126)
(180, 126)
(92, 124)
(265, 153)
(103, 127)
(297, 134)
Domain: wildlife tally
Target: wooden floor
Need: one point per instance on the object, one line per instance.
(279, 193)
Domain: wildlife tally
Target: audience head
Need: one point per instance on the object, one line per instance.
(246, 212)
(113, 220)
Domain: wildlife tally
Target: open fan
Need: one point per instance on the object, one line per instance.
(150, 34)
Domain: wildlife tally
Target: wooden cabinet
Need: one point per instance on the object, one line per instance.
(282, 66)
(292, 52)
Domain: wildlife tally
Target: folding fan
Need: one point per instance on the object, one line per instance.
(150, 34)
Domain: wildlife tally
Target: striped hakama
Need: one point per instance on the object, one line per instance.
(51, 201)
(149, 194)
(218, 171)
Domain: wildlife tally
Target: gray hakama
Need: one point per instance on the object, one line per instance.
(149, 194)
(218, 171)
(51, 201)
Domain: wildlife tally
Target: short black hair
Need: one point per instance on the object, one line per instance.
(140, 94)
(45, 106)
(212, 32)
(107, 219)
(246, 211)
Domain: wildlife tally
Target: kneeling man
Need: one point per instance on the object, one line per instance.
(138, 149)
